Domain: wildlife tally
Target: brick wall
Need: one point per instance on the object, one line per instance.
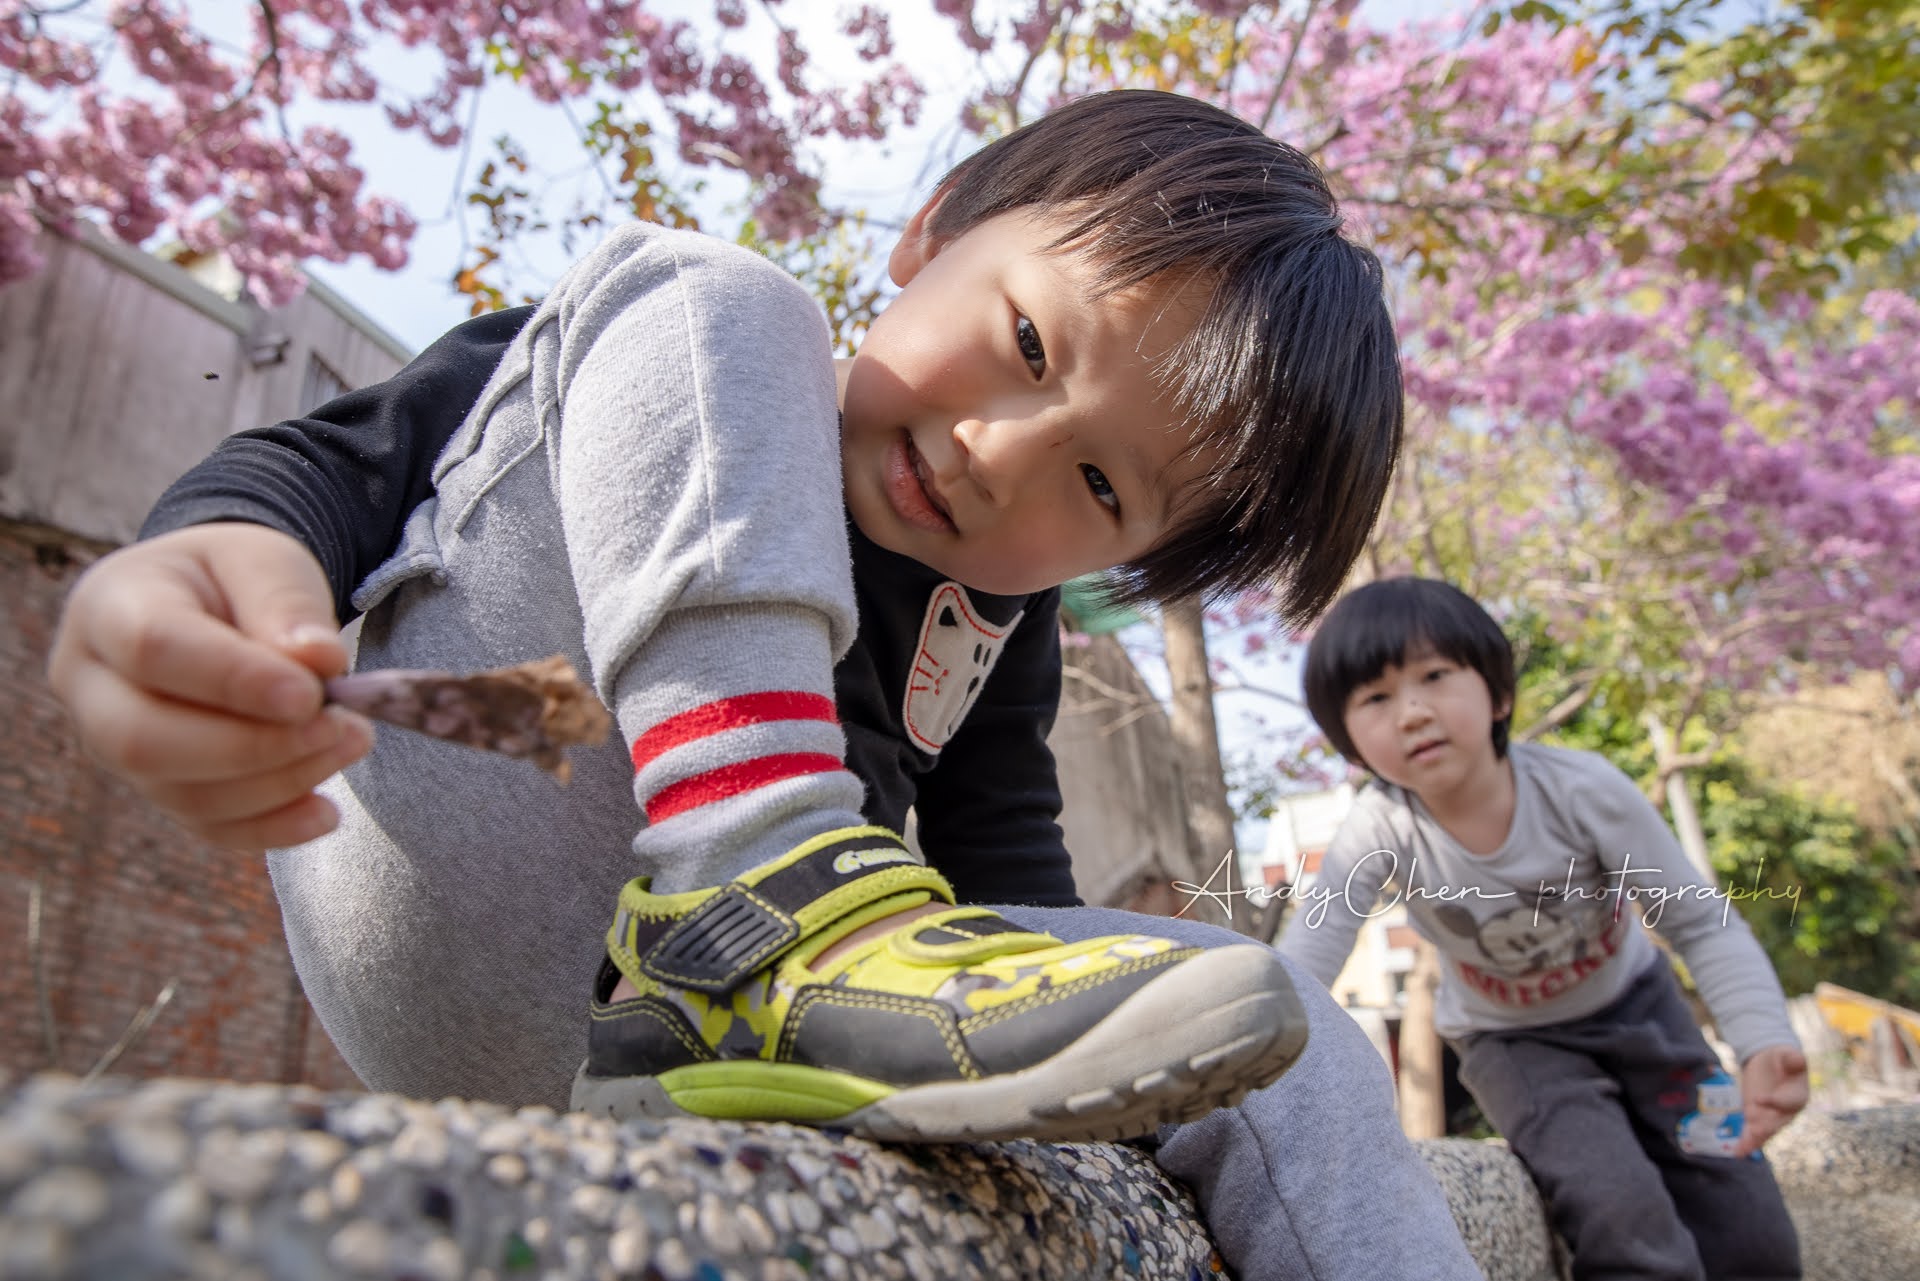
(129, 900)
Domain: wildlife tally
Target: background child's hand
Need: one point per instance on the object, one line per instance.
(192, 665)
(1773, 1089)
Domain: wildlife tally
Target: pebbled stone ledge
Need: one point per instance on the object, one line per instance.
(139, 1180)
(135, 1181)
(1852, 1180)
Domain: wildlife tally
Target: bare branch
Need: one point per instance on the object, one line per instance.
(455, 205)
(270, 58)
(136, 1028)
(606, 183)
(1286, 68)
(1112, 693)
(1560, 713)
(1240, 686)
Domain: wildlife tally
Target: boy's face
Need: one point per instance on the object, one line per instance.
(1002, 428)
(1425, 725)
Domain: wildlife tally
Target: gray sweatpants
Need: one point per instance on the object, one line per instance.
(1594, 1107)
(1309, 1178)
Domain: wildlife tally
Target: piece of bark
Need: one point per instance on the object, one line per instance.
(534, 710)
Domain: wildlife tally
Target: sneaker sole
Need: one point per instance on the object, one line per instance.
(1238, 1023)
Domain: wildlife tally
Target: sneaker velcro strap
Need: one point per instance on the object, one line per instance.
(720, 943)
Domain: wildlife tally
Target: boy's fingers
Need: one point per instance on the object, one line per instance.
(276, 593)
(1761, 1124)
(306, 819)
(159, 741)
(222, 804)
(194, 657)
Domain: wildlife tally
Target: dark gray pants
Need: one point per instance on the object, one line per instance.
(1593, 1108)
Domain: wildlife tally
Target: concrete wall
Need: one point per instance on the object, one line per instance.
(1124, 816)
(119, 371)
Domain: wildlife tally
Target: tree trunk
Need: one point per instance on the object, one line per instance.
(1680, 808)
(1686, 823)
(1423, 1102)
(1196, 736)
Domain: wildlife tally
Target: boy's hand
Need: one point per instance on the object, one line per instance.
(1773, 1089)
(192, 666)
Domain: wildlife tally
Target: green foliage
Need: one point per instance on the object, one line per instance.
(1839, 78)
(1847, 72)
(620, 180)
(1826, 898)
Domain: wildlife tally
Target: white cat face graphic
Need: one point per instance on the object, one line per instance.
(958, 649)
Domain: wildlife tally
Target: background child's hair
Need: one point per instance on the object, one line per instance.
(1291, 374)
(1376, 626)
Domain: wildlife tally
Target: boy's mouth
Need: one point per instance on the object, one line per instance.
(911, 491)
(1427, 750)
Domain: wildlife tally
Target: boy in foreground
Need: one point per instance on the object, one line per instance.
(1516, 861)
(1129, 335)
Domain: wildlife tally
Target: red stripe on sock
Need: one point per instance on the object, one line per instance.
(726, 714)
(733, 780)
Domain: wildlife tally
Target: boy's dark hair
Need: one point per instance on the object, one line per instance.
(1292, 371)
(1377, 626)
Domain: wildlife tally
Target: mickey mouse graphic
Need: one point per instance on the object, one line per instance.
(1527, 938)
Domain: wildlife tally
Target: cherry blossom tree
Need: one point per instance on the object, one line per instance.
(134, 115)
(1732, 495)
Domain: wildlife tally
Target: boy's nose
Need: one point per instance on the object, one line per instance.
(999, 453)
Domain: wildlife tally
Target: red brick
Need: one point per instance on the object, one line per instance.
(129, 900)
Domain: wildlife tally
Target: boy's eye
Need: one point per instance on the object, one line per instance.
(1101, 488)
(1031, 349)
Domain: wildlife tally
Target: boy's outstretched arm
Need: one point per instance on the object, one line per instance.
(191, 662)
(1773, 1089)
(192, 666)
(1728, 966)
(1328, 910)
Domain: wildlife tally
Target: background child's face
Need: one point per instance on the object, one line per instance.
(1425, 725)
(1002, 428)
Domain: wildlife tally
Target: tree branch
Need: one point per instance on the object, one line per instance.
(136, 1028)
(1286, 68)
(270, 58)
(1561, 712)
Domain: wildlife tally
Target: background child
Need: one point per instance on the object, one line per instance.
(1571, 1030)
(1070, 379)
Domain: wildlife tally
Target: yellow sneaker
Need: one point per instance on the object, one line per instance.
(958, 1026)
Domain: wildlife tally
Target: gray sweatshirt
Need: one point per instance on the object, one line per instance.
(1539, 931)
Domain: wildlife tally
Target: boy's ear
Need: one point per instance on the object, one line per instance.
(916, 246)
